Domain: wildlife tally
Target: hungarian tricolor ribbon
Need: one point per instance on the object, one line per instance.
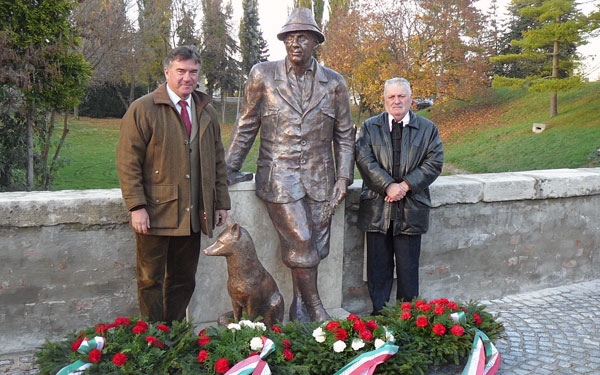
(79, 366)
(255, 365)
(484, 358)
(366, 363)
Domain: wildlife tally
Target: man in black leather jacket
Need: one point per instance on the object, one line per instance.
(398, 154)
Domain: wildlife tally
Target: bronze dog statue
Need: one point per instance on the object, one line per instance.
(252, 289)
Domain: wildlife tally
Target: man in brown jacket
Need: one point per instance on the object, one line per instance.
(306, 156)
(171, 167)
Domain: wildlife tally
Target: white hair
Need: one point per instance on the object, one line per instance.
(396, 81)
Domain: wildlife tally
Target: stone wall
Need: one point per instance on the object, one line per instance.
(67, 259)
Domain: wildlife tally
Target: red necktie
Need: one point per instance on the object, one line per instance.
(185, 116)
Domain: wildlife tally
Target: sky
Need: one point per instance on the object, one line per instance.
(273, 14)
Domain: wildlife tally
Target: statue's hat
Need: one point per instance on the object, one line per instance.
(301, 19)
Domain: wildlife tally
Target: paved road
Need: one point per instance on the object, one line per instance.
(554, 331)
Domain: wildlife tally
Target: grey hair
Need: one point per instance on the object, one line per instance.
(396, 81)
(182, 53)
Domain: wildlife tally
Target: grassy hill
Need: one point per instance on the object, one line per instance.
(489, 133)
(493, 131)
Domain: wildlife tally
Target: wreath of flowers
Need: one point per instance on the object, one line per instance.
(436, 332)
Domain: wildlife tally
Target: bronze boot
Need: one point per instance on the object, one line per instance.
(306, 280)
(298, 310)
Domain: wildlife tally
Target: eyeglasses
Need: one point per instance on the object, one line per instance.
(299, 38)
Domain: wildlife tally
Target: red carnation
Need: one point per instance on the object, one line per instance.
(406, 306)
(162, 327)
(222, 366)
(101, 328)
(424, 307)
(119, 359)
(477, 318)
(352, 317)
(452, 306)
(122, 321)
(406, 315)
(202, 332)
(95, 355)
(153, 341)
(439, 310)
(203, 340)
(287, 354)
(422, 321)
(76, 345)
(366, 335)
(439, 329)
(276, 329)
(457, 330)
(140, 327)
(332, 326)
(359, 325)
(341, 334)
(202, 356)
(286, 343)
(372, 325)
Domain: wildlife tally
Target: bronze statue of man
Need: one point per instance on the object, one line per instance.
(305, 161)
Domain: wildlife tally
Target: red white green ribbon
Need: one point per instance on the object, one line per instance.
(255, 364)
(484, 358)
(78, 367)
(366, 363)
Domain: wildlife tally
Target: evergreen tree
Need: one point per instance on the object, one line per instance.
(221, 69)
(253, 46)
(543, 57)
(186, 31)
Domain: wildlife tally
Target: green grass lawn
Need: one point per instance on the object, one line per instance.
(89, 155)
(491, 133)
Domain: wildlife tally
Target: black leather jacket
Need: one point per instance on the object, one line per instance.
(422, 161)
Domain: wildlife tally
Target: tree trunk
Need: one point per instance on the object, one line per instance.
(222, 106)
(46, 139)
(554, 95)
(57, 152)
(30, 149)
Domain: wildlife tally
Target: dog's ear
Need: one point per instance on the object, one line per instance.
(235, 231)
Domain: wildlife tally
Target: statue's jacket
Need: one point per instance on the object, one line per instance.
(302, 152)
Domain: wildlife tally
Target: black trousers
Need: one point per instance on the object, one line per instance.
(166, 275)
(384, 252)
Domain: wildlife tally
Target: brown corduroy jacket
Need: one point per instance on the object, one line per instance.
(154, 168)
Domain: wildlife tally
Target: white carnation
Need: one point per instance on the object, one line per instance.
(260, 325)
(256, 344)
(234, 326)
(379, 343)
(358, 344)
(319, 335)
(389, 337)
(247, 323)
(339, 346)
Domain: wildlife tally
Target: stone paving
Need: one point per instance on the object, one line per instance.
(554, 331)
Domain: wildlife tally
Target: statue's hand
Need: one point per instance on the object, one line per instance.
(339, 193)
(233, 177)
